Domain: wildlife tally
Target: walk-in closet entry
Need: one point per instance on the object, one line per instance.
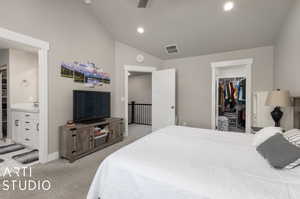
(231, 104)
(231, 96)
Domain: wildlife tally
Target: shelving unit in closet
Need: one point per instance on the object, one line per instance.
(3, 101)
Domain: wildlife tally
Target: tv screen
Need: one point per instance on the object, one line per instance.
(90, 105)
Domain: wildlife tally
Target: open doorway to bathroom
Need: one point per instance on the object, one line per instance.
(23, 100)
(19, 105)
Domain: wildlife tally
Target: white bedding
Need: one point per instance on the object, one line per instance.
(188, 163)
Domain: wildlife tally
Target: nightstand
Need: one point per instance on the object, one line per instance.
(255, 129)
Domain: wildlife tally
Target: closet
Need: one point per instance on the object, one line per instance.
(231, 104)
(231, 95)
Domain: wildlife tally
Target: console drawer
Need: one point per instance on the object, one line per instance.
(30, 125)
(30, 139)
(29, 116)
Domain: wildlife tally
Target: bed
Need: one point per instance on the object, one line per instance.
(189, 163)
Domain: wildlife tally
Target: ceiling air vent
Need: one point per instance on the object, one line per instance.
(171, 49)
(143, 3)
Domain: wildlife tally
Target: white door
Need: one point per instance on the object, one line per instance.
(163, 98)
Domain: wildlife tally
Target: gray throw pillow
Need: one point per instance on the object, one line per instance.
(278, 151)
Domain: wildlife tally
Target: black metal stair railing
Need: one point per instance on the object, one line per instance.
(139, 113)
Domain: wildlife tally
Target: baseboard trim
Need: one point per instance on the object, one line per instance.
(53, 156)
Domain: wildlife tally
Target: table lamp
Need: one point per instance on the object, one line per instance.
(278, 99)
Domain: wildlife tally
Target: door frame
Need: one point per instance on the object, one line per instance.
(127, 69)
(42, 48)
(247, 64)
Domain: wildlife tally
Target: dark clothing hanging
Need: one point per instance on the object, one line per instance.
(229, 95)
(232, 99)
(242, 91)
(221, 99)
(242, 118)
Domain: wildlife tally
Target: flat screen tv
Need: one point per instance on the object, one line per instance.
(90, 106)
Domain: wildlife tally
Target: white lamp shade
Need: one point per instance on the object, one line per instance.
(279, 98)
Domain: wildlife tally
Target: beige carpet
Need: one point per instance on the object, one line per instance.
(71, 181)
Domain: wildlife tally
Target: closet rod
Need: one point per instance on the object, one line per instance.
(230, 79)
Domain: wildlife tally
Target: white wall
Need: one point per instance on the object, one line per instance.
(23, 66)
(74, 34)
(287, 53)
(287, 58)
(194, 81)
(126, 55)
(140, 89)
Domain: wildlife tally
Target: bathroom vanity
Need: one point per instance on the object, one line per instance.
(25, 125)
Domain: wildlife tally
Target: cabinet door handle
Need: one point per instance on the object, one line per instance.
(38, 126)
(27, 129)
(91, 142)
(16, 122)
(27, 115)
(27, 139)
(74, 142)
(27, 122)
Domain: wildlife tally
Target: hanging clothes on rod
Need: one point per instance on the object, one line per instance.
(232, 100)
(242, 90)
(231, 92)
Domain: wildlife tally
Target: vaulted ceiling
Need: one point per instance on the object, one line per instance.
(198, 27)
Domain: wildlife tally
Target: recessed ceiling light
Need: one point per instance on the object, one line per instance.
(228, 6)
(140, 30)
(88, 2)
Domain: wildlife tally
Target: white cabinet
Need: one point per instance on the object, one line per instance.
(26, 128)
(16, 126)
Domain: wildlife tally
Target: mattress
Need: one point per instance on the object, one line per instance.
(189, 163)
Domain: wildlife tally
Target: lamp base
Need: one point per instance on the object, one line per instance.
(277, 115)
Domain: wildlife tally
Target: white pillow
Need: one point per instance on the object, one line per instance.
(265, 134)
(293, 136)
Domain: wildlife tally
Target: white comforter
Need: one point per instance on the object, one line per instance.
(188, 163)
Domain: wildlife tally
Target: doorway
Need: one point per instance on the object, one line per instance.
(13, 40)
(138, 100)
(231, 104)
(140, 103)
(231, 96)
(163, 109)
